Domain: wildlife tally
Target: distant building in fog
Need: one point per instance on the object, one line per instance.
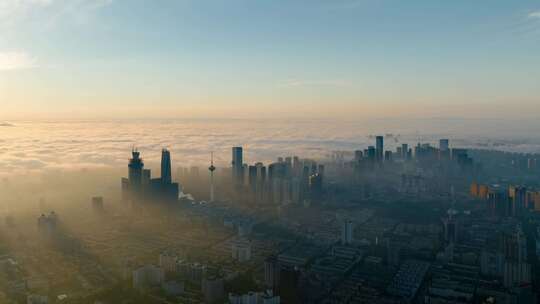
(47, 224)
(444, 145)
(237, 165)
(97, 203)
(147, 276)
(379, 147)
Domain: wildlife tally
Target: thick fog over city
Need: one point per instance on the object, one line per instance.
(269, 152)
(54, 145)
(292, 211)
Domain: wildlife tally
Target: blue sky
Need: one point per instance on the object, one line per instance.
(235, 58)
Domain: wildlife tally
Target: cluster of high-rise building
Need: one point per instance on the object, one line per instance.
(510, 201)
(466, 255)
(528, 163)
(422, 152)
(289, 180)
(141, 187)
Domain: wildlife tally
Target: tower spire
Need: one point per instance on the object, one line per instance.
(212, 168)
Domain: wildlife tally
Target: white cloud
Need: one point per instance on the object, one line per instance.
(534, 14)
(16, 61)
(12, 9)
(16, 12)
(51, 145)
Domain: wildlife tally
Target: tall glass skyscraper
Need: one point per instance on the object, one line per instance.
(237, 165)
(135, 170)
(166, 176)
(443, 145)
(379, 148)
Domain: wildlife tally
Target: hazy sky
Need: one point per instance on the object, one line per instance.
(268, 58)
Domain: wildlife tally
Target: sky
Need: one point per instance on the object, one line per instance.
(343, 59)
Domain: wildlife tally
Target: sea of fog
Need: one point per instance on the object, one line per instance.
(41, 145)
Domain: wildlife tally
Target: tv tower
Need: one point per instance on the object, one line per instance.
(212, 169)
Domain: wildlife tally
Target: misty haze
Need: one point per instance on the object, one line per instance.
(269, 152)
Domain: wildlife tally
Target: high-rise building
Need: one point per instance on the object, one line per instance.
(443, 145)
(213, 289)
(405, 151)
(358, 155)
(148, 275)
(286, 192)
(271, 272)
(194, 172)
(135, 171)
(261, 172)
(146, 177)
(473, 190)
(517, 196)
(347, 232)
(320, 169)
(371, 153)
(140, 187)
(237, 165)
(517, 270)
(168, 262)
(97, 203)
(260, 182)
(444, 149)
(379, 148)
(451, 228)
(166, 175)
(388, 155)
(252, 178)
(276, 190)
(315, 185)
(296, 190)
(47, 224)
(37, 299)
(497, 200)
(241, 250)
(297, 166)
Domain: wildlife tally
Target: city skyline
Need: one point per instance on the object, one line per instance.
(333, 59)
(58, 145)
(269, 152)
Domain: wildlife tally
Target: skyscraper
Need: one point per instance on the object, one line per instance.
(358, 155)
(252, 178)
(444, 150)
(141, 187)
(405, 151)
(517, 199)
(387, 155)
(443, 145)
(237, 165)
(347, 232)
(166, 176)
(371, 153)
(379, 148)
(135, 168)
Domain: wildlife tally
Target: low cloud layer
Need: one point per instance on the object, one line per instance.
(85, 145)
